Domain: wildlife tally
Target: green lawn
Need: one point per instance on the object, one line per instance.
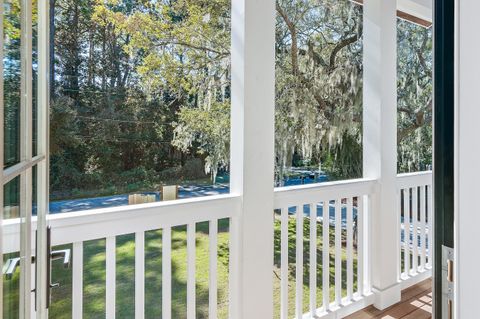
(94, 274)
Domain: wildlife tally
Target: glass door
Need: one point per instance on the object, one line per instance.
(23, 157)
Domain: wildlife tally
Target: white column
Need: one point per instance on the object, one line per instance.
(467, 152)
(380, 144)
(252, 155)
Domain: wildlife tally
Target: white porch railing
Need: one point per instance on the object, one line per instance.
(337, 210)
(414, 193)
(341, 211)
(333, 220)
(80, 227)
(138, 219)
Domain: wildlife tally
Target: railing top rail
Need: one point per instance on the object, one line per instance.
(414, 179)
(313, 193)
(155, 207)
(413, 174)
(100, 223)
(114, 221)
(143, 217)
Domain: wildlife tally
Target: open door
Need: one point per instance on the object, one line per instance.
(443, 157)
(24, 158)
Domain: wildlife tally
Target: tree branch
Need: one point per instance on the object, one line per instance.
(293, 33)
(341, 45)
(420, 118)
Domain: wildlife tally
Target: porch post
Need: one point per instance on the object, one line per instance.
(380, 144)
(252, 156)
(466, 219)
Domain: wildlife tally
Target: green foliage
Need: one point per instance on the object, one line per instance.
(124, 72)
(193, 169)
(11, 20)
(415, 87)
(318, 83)
(345, 159)
(11, 81)
(209, 130)
(141, 88)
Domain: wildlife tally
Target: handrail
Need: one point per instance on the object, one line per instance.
(414, 179)
(144, 217)
(114, 221)
(99, 223)
(297, 195)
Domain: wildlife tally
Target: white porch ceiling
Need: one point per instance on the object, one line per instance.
(422, 9)
(415, 11)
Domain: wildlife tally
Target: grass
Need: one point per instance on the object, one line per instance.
(94, 274)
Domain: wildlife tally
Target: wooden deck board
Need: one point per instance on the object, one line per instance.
(416, 303)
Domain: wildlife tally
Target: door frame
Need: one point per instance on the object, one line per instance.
(467, 153)
(43, 148)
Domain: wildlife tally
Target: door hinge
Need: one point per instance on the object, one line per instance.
(447, 282)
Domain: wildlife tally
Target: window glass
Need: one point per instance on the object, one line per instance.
(11, 81)
(34, 78)
(11, 199)
(11, 248)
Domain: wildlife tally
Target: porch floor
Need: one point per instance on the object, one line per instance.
(416, 303)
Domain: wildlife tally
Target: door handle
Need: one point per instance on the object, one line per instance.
(11, 266)
(61, 254)
(64, 254)
(54, 255)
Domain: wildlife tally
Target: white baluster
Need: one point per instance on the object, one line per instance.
(284, 265)
(77, 281)
(110, 264)
(430, 226)
(360, 245)
(326, 255)
(422, 230)
(139, 275)
(414, 230)
(313, 259)
(406, 230)
(299, 263)
(166, 273)
(191, 266)
(349, 249)
(212, 287)
(338, 252)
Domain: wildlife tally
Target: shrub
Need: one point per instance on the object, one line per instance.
(194, 169)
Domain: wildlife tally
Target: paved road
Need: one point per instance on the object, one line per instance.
(65, 206)
(72, 205)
